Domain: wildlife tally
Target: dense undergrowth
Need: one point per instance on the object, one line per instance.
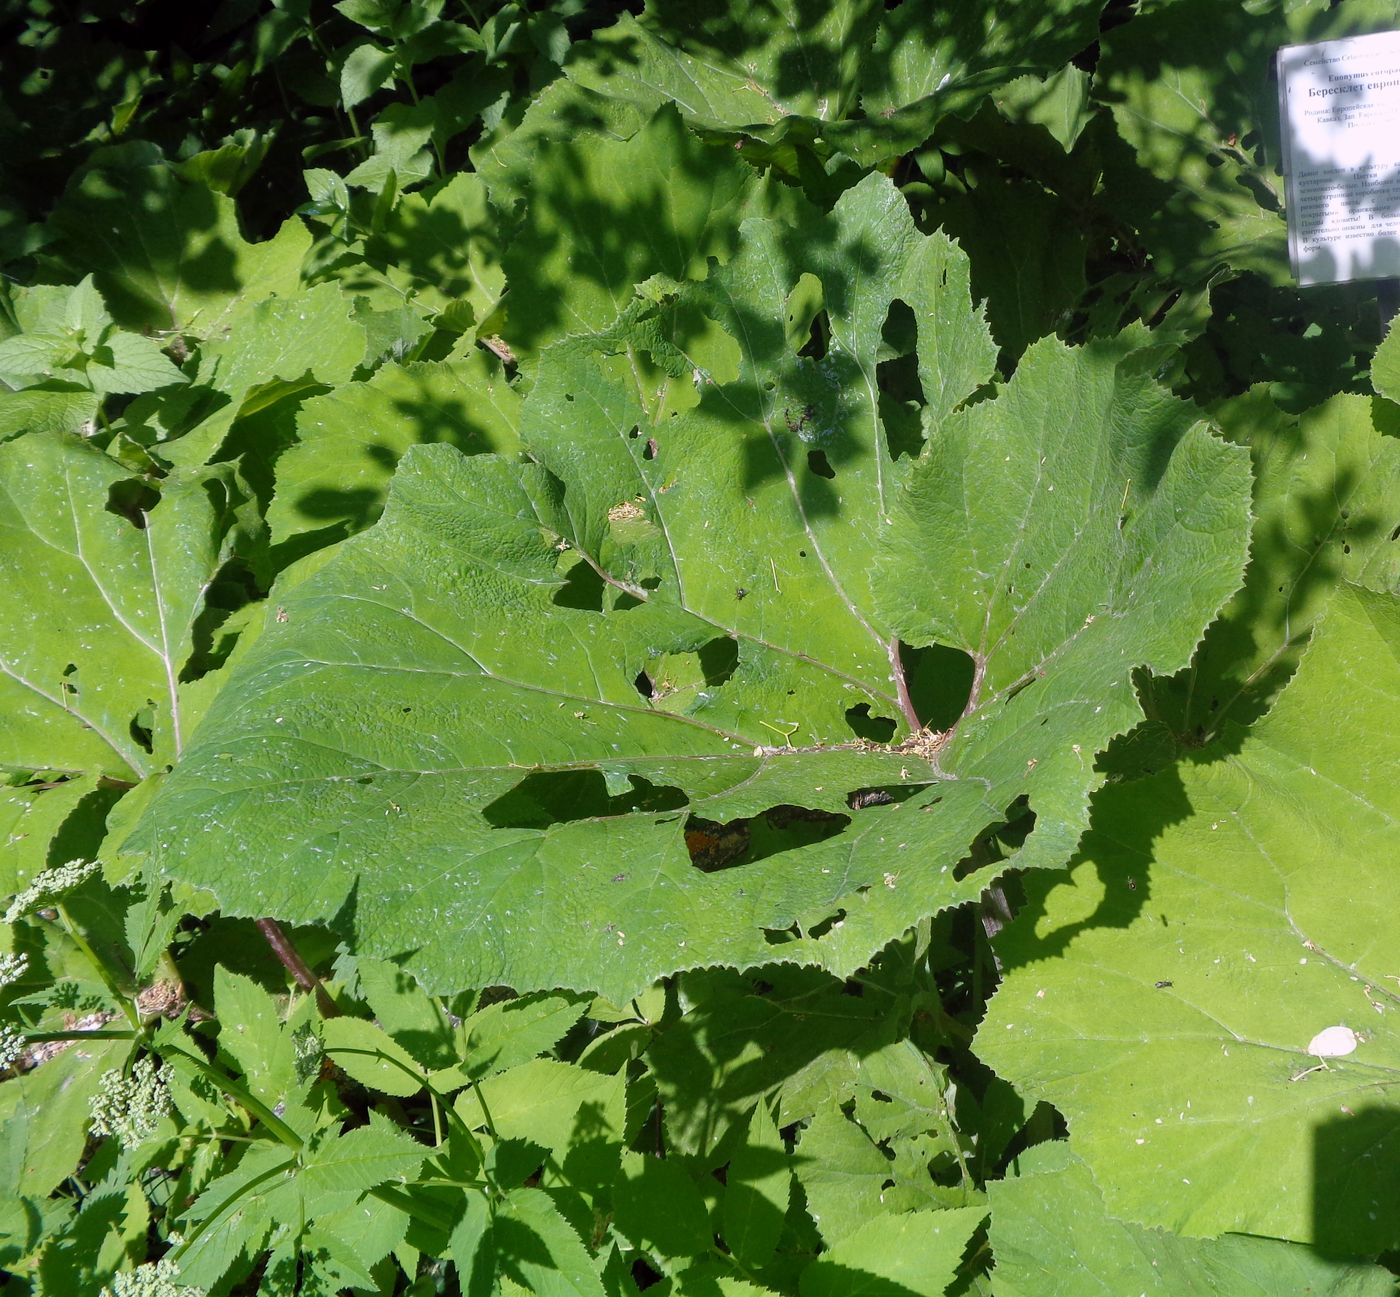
(686, 648)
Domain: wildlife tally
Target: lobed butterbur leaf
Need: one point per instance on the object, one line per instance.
(169, 252)
(100, 607)
(496, 709)
(1187, 1024)
(1326, 507)
(1052, 1236)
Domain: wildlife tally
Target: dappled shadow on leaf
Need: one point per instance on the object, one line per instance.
(826, 1278)
(1113, 864)
(592, 1158)
(109, 211)
(746, 1036)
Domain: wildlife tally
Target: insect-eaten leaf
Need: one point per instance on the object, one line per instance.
(496, 713)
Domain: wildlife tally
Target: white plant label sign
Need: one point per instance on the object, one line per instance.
(1340, 112)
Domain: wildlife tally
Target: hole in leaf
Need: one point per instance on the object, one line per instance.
(644, 685)
(635, 433)
(864, 797)
(819, 464)
(651, 449)
(1009, 833)
(623, 601)
(569, 397)
(900, 332)
(713, 846)
(142, 729)
(719, 658)
(901, 394)
(825, 925)
(548, 797)
(132, 500)
(815, 346)
(875, 729)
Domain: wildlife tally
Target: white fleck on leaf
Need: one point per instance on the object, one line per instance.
(1332, 1042)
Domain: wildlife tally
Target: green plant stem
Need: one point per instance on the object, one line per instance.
(275, 1125)
(208, 1222)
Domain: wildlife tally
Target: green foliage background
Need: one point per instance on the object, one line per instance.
(681, 648)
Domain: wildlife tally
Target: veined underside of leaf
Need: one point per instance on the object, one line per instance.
(489, 717)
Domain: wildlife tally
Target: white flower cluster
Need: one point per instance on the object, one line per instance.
(52, 882)
(12, 1047)
(150, 1280)
(12, 968)
(131, 1107)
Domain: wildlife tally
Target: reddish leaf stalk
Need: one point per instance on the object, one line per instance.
(298, 967)
(901, 685)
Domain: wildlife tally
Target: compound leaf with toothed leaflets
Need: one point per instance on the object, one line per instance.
(495, 709)
(99, 607)
(1209, 999)
(540, 1250)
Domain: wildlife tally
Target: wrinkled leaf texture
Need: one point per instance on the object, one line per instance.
(490, 715)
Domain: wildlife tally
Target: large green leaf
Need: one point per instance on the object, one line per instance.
(821, 76)
(167, 254)
(896, 1255)
(99, 607)
(604, 214)
(1326, 507)
(334, 479)
(1172, 997)
(1052, 1237)
(491, 713)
